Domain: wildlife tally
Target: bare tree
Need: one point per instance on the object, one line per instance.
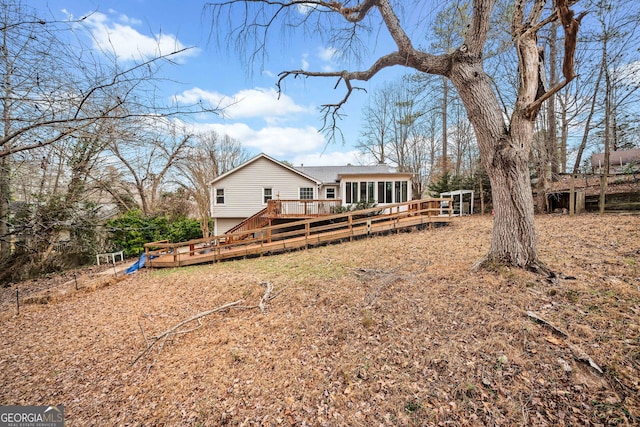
(210, 156)
(504, 146)
(375, 133)
(147, 153)
(55, 89)
(448, 31)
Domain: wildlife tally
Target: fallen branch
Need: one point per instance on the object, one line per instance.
(577, 353)
(174, 329)
(143, 334)
(548, 324)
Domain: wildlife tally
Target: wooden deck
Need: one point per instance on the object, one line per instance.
(298, 234)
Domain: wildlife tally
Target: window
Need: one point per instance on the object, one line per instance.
(267, 194)
(219, 196)
(351, 192)
(385, 191)
(306, 193)
(363, 192)
(401, 191)
(354, 191)
(331, 193)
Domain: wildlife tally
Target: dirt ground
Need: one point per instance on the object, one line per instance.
(386, 331)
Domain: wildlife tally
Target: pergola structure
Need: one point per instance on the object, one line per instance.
(462, 202)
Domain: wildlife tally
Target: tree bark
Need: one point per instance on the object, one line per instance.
(5, 245)
(552, 139)
(504, 154)
(445, 142)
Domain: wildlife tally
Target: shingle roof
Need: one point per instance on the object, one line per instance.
(616, 158)
(329, 174)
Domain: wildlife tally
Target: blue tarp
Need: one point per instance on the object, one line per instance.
(138, 265)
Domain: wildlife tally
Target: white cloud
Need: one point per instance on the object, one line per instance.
(306, 9)
(628, 73)
(305, 63)
(128, 20)
(127, 43)
(327, 53)
(279, 142)
(247, 103)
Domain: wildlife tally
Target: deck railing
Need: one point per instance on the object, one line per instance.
(278, 208)
(298, 234)
(257, 220)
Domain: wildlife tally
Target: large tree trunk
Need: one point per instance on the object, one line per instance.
(504, 153)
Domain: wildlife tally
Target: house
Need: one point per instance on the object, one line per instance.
(247, 189)
(623, 161)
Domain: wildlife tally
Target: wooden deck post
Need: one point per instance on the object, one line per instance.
(603, 191)
(572, 196)
(306, 235)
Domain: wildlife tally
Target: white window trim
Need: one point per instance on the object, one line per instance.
(312, 193)
(215, 196)
(326, 193)
(264, 203)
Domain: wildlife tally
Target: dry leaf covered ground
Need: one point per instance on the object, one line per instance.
(390, 330)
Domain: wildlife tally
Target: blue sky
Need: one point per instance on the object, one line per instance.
(285, 128)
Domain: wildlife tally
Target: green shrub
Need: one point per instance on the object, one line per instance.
(130, 231)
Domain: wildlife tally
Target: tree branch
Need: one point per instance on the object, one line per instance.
(174, 329)
(570, 25)
(352, 14)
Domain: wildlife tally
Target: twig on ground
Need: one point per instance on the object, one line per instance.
(387, 277)
(175, 330)
(577, 353)
(163, 336)
(143, 334)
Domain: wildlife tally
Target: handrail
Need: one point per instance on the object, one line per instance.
(308, 229)
(256, 220)
(279, 208)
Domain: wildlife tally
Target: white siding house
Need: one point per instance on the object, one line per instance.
(244, 191)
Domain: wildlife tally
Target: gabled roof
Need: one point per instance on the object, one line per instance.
(332, 174)
(320, 174)
(271, 159)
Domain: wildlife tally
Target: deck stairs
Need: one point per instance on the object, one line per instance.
(255, 221)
